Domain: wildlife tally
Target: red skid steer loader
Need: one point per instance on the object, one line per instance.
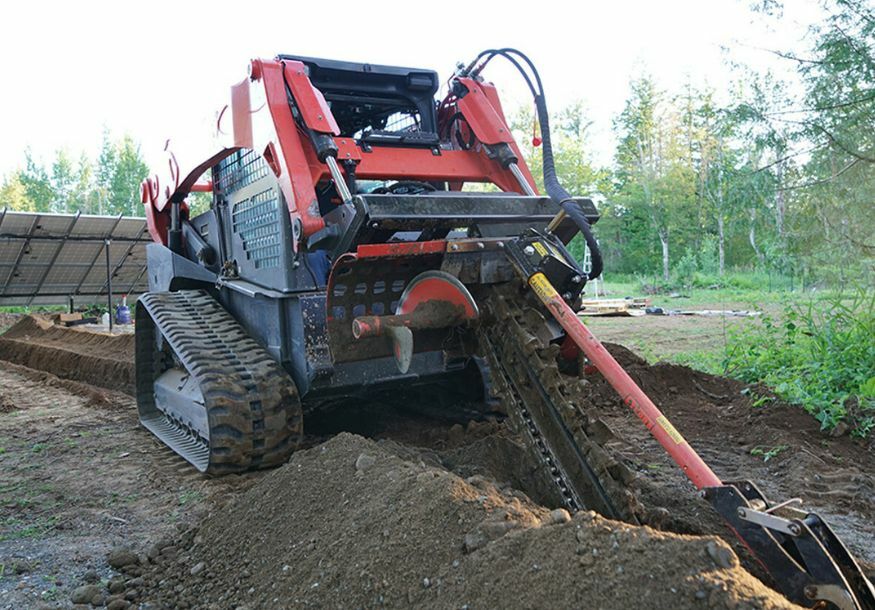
(341, 258)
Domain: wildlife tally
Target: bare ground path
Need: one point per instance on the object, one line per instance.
(80, 476)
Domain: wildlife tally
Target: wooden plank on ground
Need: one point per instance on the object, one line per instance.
(614, 307)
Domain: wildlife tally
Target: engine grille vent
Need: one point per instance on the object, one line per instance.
(239, 170)
(255, 221)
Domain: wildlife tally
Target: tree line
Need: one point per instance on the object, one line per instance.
(750, 177)
(108, 185)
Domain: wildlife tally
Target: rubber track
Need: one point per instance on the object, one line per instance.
(253, 408)
(561, 431)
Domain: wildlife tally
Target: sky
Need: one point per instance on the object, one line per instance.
(162, 70)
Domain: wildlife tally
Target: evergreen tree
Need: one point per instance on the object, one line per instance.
(13, 194)
(37, 184)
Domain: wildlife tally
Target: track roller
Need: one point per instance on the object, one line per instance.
(208, 390)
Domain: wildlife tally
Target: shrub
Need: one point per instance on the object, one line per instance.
(686, 268)
(819, 354)
(708, 258)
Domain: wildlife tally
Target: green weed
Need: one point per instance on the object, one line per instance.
(819, 354)
(768, 454)
(188, 496)
(50, 594)
(759, 401)
(17, 529)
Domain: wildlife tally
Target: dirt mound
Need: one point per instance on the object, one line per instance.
(778, 446)
(99, 359)
(8, 319)
(351, 524)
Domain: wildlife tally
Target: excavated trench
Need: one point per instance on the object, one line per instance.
(71, 353)
(484, 447)
(347, 520)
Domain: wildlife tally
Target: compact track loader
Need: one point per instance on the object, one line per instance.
(342, 258)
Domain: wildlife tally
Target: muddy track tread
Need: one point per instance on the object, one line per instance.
(253, 408)
(523, 369)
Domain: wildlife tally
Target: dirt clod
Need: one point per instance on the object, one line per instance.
(122, 557)
(85, 594)
(364, 461)
(91, 577)
(560, 515)
(116, 586)
(721, 554)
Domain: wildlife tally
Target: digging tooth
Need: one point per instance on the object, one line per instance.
(516, 352)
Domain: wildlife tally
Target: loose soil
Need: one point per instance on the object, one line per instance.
(81, 355)
(776, 445)
(80, 476)
(351, 524)
(422, 513)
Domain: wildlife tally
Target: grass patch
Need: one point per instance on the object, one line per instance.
(819, 354)
(734, 289)
(16, 529)
(188, 496)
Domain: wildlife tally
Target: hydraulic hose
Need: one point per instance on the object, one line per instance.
(557, 192)
(551, 182)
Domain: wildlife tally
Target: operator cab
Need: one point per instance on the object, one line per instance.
(377, 105)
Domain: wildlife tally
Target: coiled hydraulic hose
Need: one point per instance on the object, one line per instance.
(558, 193)
(554, 189)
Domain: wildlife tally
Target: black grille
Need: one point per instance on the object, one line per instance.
(239, 170)
(255, 221)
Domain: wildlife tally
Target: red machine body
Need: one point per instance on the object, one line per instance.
(330, 280)
(260, 118)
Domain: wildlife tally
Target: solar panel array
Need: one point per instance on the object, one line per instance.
(47, 258)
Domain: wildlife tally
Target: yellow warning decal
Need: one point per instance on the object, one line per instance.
(670, 430)
(539, 248)
(542, 287)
